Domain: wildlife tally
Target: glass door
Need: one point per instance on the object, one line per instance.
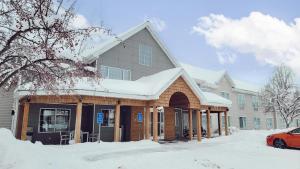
(161, 125)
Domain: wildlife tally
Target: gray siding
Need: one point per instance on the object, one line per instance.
(6, 105)
(235, 112)
(128, 57)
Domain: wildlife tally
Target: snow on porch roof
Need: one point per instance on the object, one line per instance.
(145, 88)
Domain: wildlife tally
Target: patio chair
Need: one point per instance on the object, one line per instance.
(93, 137)
(64, 137)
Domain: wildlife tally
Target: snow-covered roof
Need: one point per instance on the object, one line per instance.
(111, 42)
(145, 88)
(201, 75)
(216, 100)
(245, 86)
(211, 78)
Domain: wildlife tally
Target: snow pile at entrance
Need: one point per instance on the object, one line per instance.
(245, 149)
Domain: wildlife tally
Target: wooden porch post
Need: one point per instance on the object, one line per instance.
(226, 123)
(117, 123)
(155, 124)
(25, 121)
(78, 122)
(147, 122)
(219, 124)
(191, 124)
(199, 132)
(208, 123)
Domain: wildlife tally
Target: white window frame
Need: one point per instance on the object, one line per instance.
(110, 67)
(143, 58)
(109, 124)
(255, 103)
(267, 123)
(257, 122)
(225, 94)
(243, 103)
(244, 124)
(39, 123)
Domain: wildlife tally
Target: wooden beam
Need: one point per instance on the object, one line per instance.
(199, 121)
(208, 124)
(147, 122)
(226, 123)
(191, 124)
(25, 121)
(155, 124)
(219, 124)
(78, 122)
(117, 123)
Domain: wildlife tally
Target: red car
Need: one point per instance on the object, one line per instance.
(285, 139)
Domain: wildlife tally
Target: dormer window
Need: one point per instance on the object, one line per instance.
(145, 55)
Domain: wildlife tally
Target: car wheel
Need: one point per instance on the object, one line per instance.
(278, 143)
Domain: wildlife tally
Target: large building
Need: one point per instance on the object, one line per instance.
(140, 76)
(246, 111)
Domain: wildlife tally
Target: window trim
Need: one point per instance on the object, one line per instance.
(123, 70)
(151, 56)
(39, 122)
(254, 122)
(241, 106)
(244, 127)
(225, 93)
(109, 109)
(256, 103)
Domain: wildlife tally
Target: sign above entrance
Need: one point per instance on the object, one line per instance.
(140, 117)
(100, 118)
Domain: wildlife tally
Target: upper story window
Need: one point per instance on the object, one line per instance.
(256, 123)
(255, 103)
(225, 95)
(115, 73)
(145, 55)
(54, 120)
(241, 100)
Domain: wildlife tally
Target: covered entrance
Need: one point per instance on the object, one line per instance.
(167, 108)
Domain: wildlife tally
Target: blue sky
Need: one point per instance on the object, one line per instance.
(191, 47)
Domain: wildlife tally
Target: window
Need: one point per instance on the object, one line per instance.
(256, 123)
(225, 95)
(269, 122)
(54, 120)
(145, 55)
(223, 121)
(296, 131)
(255, 103)
(298, 122)
(241, 101)
(108, 117)
(229, 121)
(115, 73)
(242, 122)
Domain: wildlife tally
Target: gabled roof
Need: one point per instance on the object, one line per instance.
(114, 41)
(145, 88)
(208, 77)
(211, 78)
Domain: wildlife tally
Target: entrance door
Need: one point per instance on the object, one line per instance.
(178, 123)
(161, 125)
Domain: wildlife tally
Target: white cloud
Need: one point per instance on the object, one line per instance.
(80, 21)
(268, 38)
(158, 23)
(226, 57)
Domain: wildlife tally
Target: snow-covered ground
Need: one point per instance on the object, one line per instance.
(242, 150)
